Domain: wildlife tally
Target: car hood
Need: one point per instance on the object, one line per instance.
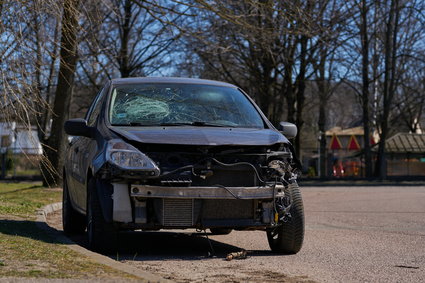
(205, 136)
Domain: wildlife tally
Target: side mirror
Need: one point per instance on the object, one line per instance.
(289, 130)
(78, 127)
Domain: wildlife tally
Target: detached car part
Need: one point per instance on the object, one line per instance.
(174, 153)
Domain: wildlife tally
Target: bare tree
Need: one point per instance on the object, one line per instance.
(386, 36)
(56, 144)
(410, 100)
(365, 46)
(262, 46)
(24, 53)
(270, 48)
(125, 39)
(401, 45)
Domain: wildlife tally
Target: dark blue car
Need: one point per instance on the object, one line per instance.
(177, 153)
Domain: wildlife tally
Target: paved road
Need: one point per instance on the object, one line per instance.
(353, 234)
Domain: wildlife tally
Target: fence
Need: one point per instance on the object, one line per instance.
(338, 163)
(406, 167)
(350, 164)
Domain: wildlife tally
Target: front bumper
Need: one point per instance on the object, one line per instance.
(210, 192)
(166, 207)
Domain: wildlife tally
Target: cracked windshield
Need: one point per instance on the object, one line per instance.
(182, 104)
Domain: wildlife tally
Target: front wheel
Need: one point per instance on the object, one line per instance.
(101, 236)
(289, 236)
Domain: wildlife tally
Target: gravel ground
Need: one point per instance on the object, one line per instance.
(353, 234)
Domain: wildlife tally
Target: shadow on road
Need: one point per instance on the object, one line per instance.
(145, 246)
(135, 245)
(28, 229)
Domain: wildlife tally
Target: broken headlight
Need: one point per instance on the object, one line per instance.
(282, 168)
(127, 156)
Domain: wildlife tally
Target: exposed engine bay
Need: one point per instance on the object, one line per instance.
(205, 187)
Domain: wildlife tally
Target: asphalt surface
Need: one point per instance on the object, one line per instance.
(353, 234)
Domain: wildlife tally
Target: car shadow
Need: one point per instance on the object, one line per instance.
(135, 245)
(28, 229)
(166, 245)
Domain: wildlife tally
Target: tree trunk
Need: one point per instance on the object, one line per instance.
(47, 113)
(322, 140)
(300, 83)
(56, 144)
(365, 87)
(41, 103)
(323, 100)
(389, 81)
(287, 85)
(124, 56)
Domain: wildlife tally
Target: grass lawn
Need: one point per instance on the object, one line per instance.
(23, 199)
(28, 172)
(27, 251)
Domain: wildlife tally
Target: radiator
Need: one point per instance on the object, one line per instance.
(178, 212)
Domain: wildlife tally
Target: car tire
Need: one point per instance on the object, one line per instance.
(73, 222)
(101, 236)
(289, 236)
(220, 231)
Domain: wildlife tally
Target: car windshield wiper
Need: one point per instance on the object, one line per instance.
(133, 124)
(195, 123)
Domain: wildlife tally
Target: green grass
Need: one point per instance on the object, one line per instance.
(24, 199)
(27, 251)
(28, 172)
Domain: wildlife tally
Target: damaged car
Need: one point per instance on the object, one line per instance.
(179, 153)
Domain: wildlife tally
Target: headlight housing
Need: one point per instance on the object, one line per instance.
(128, 157)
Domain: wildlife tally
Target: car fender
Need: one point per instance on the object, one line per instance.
(104, 191)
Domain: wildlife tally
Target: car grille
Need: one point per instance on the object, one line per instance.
(178, 212)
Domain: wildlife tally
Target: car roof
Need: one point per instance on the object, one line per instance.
(174, 80)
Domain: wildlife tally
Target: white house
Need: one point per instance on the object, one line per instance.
(19, 139)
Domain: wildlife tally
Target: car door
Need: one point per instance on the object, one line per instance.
(71, 168)
(83, 150)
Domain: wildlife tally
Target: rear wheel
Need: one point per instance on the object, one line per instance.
(289, 236)
(72, 221)
(101, 236)
(220, 231)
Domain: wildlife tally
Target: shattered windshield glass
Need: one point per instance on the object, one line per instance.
(182, 104)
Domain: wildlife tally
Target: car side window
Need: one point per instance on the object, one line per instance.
(95, 108)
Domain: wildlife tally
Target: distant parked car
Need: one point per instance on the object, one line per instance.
(176, 153)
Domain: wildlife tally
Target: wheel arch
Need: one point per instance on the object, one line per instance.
(104, 191)
(65, 182)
